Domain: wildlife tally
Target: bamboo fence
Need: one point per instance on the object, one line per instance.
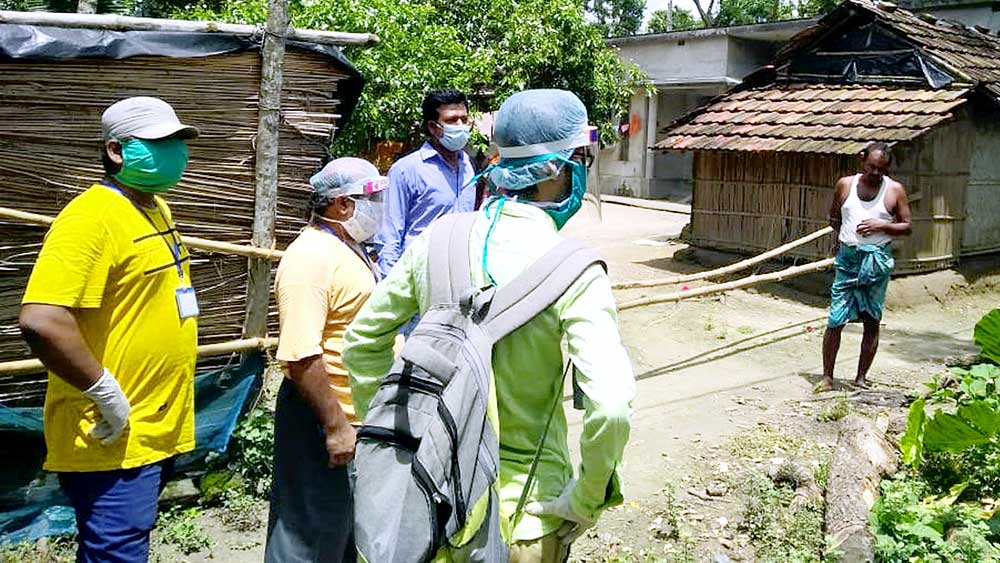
(50, 152)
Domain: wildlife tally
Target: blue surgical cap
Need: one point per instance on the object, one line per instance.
(343, 176)
(535, 117)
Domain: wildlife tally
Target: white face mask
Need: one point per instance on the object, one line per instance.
(363, 225)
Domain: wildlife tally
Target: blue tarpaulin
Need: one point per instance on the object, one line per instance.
(32, 505)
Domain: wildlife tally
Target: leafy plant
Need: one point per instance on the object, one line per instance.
(910, 524)
(971, 416)
(778, 533)
(987, 335)
(252, 455)
(836, 410)
(241, 512)
(57, 549)
(180, 527)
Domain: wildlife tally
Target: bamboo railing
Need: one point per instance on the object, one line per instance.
(719, 272)
(33, 365)
(193, 242)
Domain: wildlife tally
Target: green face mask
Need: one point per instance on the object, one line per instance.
(152, 166)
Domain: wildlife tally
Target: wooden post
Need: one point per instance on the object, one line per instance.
(266, 169)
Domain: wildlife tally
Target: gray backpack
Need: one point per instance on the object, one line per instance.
(427, 457)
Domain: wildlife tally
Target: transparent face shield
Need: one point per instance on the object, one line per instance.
(371, 189)
(585, 145)
(588, 156)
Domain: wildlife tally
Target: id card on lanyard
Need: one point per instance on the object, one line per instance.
(184, 295)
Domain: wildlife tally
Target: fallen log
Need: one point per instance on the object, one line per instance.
(862, 457)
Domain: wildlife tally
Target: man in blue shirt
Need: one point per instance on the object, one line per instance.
(430, 181)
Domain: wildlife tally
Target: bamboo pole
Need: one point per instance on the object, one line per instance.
(192, 242)
(33, 365)
(125, 23)
(787, 273)
(742, 265)
(266, 167)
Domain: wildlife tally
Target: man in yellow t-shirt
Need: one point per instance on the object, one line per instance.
(110, 311)
(323, 280)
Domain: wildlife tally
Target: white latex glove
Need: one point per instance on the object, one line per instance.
(114, 407)
(575, 525)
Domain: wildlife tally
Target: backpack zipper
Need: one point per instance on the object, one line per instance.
(435, 498)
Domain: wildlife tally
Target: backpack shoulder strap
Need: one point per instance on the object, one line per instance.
(538, 287)
(448, 257)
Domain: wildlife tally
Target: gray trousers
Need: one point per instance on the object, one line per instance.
(312, 515)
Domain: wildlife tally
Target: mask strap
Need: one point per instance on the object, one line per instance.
(486, 240)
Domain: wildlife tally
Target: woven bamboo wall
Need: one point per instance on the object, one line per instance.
(748, 202)
(49, 152)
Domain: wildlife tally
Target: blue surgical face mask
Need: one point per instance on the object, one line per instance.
(562, 211)
(455, 136)
(152, 166)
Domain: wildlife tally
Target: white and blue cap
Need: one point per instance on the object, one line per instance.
(348, 176)
(536, 131)
(143, 117)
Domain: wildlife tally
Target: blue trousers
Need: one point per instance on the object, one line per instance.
(115, 511)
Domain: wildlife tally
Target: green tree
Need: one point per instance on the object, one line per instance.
(488, 49)
(683, 20)
(721, 13)
(617, 18)
(744, 12)
(814, 8)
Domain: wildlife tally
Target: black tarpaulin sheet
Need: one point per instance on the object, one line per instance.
(869, 54)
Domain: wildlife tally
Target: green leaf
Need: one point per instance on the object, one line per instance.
(920, 530)
(987, 335)
(986, 372)
(970, 425)
(948, 499)
(912, 442)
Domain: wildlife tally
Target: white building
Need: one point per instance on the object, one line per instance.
(688, 68)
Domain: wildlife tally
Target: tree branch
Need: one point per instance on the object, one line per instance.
(706, 17)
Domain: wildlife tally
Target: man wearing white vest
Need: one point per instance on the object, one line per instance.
(869, 211)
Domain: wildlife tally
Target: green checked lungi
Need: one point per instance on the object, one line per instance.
(862, 276)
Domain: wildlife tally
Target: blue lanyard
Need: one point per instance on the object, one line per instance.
(173, 245)
(365, 259)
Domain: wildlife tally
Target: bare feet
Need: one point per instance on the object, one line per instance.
(861, 383)
(825, 385)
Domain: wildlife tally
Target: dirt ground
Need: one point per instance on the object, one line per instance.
(714, 369)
